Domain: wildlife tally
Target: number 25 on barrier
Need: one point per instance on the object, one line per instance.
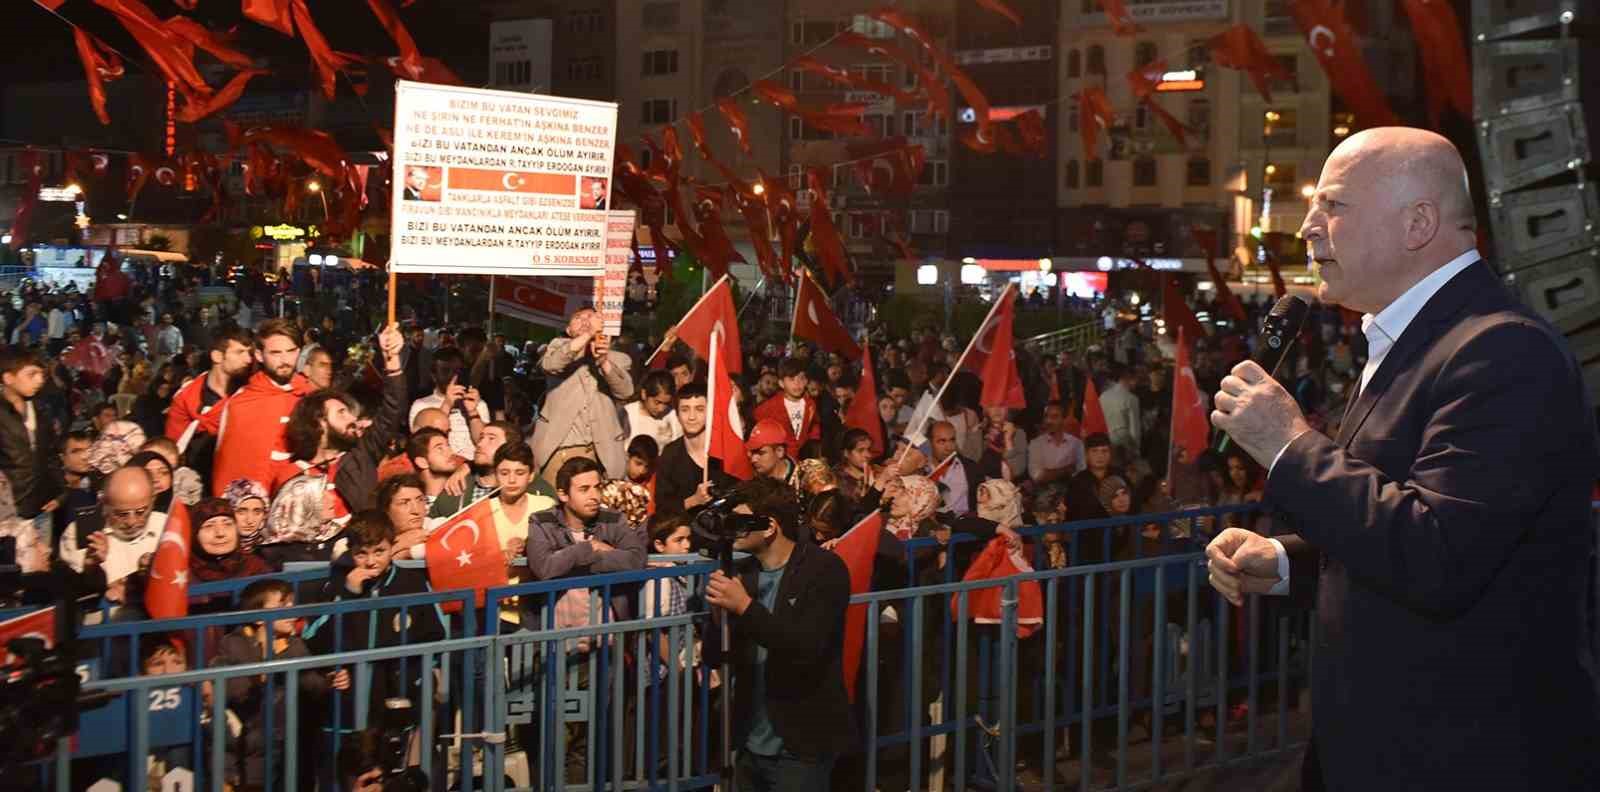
(168, 699)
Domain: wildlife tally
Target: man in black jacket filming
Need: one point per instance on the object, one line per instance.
(787, 603)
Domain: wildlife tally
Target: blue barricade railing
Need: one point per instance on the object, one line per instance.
(1137, 642)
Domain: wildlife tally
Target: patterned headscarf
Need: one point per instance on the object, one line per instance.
(814, 475)
(921, 498)
(1003, 503)
(239, 491)
(300, 513)
(117, 443)
(631, 499)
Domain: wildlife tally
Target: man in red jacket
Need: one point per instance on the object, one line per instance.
(198, 403)
(792, 408)
(250, 437)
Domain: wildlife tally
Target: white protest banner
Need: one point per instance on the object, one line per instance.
(500, 183)
(611, 288)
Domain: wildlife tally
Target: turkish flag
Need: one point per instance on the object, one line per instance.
(1191, 430)
(1240, 48)
(1444, 57)
(1121, 21)
(824, 235)
(1176, 312)
(1002, 385)
(714, 311)
(29, 160)
(737, 121)
(697, 134)
(410, 58)
(198, 35)
(1094, 417)
(997, 562)
(464, 552)
(858, 548)
(167, 594)
(272, 13)
(100, 63)
(1000, 7)
(1334, 44)
(863, 412)
(40, 625)
(1229, 301)
(815, 321)
(1094, 112)
(726, 442)
(511, 181)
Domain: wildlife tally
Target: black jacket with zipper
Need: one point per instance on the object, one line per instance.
(33, 468)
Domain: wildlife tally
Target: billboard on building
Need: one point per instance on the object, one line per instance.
(519, 55)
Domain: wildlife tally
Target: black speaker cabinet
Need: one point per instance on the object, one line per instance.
(1497, 19)
(1533, 226)
(1523, 148)
(1565, 291)
(1518, 76)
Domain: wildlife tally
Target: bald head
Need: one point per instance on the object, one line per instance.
(129, 485)
(1391, 206)
(431, 418)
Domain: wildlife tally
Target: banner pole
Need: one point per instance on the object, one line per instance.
(961, 361)
(760, 282)
(392, 289)
(491, 309)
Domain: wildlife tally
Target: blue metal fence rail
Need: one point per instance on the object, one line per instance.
(944, 700)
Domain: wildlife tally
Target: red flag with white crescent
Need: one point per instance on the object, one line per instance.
(1240, 48)
(858, 548)
(29, 160)
(1094, 416)
(1002, 384)
(1334, 43)
(863, 412)
(41, 625)
(737, 121)
(714, 312)
(167, 594)
(464, 552)
(814, 320)
(1191, 429)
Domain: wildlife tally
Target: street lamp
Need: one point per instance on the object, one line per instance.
(758, 188)
(315, 186)
(1307, 191)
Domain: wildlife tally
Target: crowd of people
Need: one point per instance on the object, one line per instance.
(287, 442)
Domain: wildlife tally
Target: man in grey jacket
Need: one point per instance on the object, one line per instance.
(579, 418)
(580, 538)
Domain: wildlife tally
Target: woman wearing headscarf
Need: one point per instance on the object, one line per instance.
(215, 553)
(249, 501)
(160, 471)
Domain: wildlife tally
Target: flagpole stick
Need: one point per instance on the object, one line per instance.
(794, 308)
(762, 281)
(961, 361)
(392, 281)
(663, 344)
(711, 409)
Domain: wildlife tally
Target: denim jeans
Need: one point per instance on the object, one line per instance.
(782, 773)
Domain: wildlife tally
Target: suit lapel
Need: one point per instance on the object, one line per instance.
(1416, 338)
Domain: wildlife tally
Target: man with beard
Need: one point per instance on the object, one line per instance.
(681, 464)
(196, 410)
(485, 470)
(429, 452)
(125, 529)
(260, 410)
(328, 442)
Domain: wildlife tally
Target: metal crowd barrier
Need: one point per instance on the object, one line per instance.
(944, 701)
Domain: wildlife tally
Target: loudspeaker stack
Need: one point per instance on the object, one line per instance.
(1536, 93)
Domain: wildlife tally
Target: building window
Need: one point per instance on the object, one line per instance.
(1097, 60)
(660, 62)
(1144, 172)
(796, 129)
(644, 158)
(1280, 177)
(1072, 118)
(1094, 173)
(1141, 116)
(1074, 64)
(1143, 53)
(1199, 118)
(1279, 127)
(941, 221)
(1199, 52)
(590, 20)
(935, 173)
(797, 81)
(659, 111)
(660, 16)
(583, 68)
(513, 73)
(871, 28)
(811, 32)
(1072, 174)
(730, 82)
(877, 72)
(1199, 172)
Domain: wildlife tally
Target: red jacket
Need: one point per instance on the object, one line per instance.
(810, 428)
(250, 437)
(186, 409)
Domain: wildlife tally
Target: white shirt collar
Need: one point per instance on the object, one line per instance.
(1393, 320)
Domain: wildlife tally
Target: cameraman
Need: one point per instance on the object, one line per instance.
(791, 717)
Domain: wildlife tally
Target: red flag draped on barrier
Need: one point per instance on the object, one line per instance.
(858, 548)
(39, 625)
(1002, 384)
(1445, 66)
(863, 412)
(167, 594)
(997, 562)
(1334, 44)
(458, 562)
(1240, 48)
(815, 321)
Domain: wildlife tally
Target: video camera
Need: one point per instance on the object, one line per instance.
(384, 747)
(714, 526)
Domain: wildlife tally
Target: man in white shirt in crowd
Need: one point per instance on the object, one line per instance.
(1124, 420)
(1054, 455)
(123, 531)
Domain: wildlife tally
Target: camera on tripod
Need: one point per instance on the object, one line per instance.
(385, 746)
(714, 527)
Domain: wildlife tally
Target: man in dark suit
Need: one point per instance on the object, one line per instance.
(1445, 535)
(958, 481)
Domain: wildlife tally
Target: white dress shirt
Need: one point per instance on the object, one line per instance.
(1382, 331)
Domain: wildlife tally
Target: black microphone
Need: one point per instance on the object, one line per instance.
(1278, 331)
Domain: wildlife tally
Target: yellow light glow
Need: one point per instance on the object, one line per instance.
(1271, 169)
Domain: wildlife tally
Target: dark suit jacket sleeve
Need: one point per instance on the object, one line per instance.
(1491, 453)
